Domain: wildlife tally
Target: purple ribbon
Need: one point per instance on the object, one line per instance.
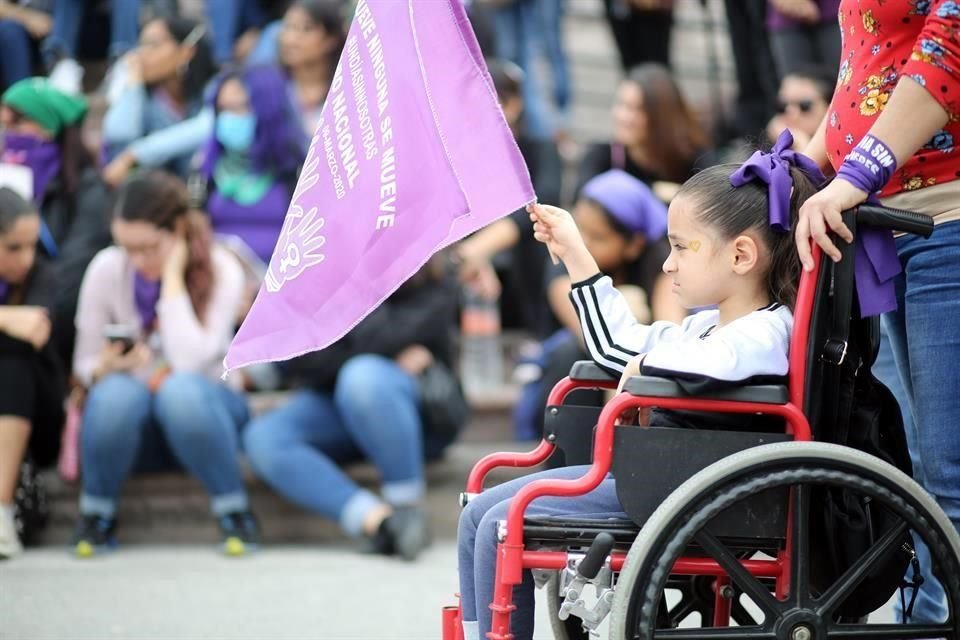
(876, 262)
(146, 294)
(773, 169)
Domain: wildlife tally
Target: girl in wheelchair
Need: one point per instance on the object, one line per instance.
(733, 259)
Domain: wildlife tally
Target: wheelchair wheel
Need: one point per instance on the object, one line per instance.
(805, 614)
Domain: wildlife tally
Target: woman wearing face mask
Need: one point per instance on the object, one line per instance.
(157, 118)
(41, 131)
(251, 161)
(156, 315)
(31, 381)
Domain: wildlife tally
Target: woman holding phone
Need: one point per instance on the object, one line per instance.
(154, 320)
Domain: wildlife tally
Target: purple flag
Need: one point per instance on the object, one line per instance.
(411, 154)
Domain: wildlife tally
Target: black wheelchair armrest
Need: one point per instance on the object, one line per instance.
(666, 388)
(588, 371)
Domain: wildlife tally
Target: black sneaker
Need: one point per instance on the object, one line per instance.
(241, 533)
(94, 535)
(407, 532)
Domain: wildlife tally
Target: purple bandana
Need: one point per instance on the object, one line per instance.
(876, 261)
(42, 156)
(774, 169)
(146, 293)
(630, 201)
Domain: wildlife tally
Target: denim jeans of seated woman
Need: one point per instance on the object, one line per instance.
(190, 422)
(924, 335)
(372, 414)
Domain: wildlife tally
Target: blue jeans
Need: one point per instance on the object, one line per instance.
(229, 19)
(372, 414)
(17, 52)
(925, 337)
(518, 26)
(70, 15)
(190, 422)
(477, 543)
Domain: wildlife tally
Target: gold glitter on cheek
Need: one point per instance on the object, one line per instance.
(694, 245)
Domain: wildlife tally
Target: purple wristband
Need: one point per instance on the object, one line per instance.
(869, 166)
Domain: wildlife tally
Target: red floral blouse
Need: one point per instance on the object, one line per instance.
(884, 40)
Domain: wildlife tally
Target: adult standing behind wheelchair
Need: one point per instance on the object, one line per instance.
(730, 250)
(904, 61)
(384, 392)
(155, 318)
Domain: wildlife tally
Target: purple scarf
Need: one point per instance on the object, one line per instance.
(145, 296)
(4, 292)
(42, 156)
(876, 261)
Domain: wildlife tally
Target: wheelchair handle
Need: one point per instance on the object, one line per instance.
(874, 215)
(596, 555)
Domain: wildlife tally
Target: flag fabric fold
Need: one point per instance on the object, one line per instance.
(411, 154)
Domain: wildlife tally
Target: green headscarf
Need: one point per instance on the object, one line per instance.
(38, 100)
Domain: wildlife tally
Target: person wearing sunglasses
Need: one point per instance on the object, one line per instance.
(801, 104)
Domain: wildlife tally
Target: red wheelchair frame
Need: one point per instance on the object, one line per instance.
(513, 558)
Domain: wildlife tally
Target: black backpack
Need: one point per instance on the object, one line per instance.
(847, 405)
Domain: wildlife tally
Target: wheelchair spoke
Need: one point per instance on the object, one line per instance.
(741, 616)
(683, 609)
(740, 633)
(852, 578)
(800, 546)
(891, 631)
(745, 580)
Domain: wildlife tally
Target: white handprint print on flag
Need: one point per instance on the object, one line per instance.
(299, 249)
(411, 154)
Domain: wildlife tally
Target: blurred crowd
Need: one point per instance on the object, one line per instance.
(128, 259)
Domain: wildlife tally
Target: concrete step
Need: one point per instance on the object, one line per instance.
(173, 507)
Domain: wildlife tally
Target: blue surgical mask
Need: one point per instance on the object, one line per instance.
(235, 131)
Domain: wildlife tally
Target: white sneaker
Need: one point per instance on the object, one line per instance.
(10, 546)
(67, 76)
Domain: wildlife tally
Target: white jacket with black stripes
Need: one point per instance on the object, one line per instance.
(752, 349)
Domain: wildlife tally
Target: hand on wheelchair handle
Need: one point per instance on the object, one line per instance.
(820, 214)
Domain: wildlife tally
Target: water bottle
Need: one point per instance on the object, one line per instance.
(481, 357)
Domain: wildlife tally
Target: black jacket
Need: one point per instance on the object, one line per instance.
(80, 225)
(418, 312)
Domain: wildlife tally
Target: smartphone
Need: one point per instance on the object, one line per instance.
(122, 333)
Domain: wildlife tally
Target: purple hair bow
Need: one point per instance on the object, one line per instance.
(773, 169)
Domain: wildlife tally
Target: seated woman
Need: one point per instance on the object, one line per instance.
(802, 103)
(158, 118)
(32, 385)
(41, 130)
(726, 253)
(156, 315)
(311, 38)
(361, 399)
(656, 136)
(251, 162)
(624, 228)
